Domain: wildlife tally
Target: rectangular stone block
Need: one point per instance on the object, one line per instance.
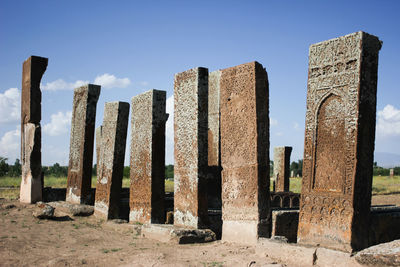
(99, 131)
(112, 156)
(282, 168)
(147, 175)
(31, 142)
(244, 106)
(190, 148)
(81, 144)
(284, 224)
(339, 142)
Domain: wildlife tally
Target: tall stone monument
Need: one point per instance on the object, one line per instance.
(190, 148)
(81, 144)
(282, 168)
(339, 142)
(112, 156)
(214, 159)
(391, 173)
(31, 140)
(147, 175)
(244, 106)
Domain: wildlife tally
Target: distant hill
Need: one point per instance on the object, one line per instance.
(387, 160)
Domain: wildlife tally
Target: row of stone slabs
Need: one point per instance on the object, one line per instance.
(222, 120)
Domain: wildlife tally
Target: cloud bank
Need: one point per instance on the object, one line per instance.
(388, 121)
(59, 124)
(10, 106)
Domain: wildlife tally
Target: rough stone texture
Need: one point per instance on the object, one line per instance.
(214, 159)
(99, 132)
(391, 173)
(384, 224)
(111, 165)
(43, 211)
(31, 142)
(284, 223)
(73, 209)
(282, 168)
(147, 188)
(244, 122)
(170, 233)
(285, 200)
(339, 142)
(190, 148)
(81, 144)
(387, 254)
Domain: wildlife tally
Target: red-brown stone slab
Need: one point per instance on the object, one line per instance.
(147, 175)
(244, 122)
(282, 168)
(81, 144)
(190, 148)
(31, 156)
(339, 142)
(112, 156)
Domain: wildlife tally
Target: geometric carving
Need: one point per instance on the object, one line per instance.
(339, 142)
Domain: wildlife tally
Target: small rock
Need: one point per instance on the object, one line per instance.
(386, 254)
(43, 211)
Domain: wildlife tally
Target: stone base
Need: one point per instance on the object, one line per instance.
(284, 224)
(30, 190)
(178, 235)
(245, 232)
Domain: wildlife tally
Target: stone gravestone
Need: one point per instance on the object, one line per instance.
(214, 161)
(282, 168)
(339, 142)
(147, 175)
(190, 148)
(31, 140)
(244, 106)
(99, 131)
(391, 173)
(112, 156)
(81, 144)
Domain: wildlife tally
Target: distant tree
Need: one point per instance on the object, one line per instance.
(15, 170)
(94, 170)
(127, 171)
(297, 167)
(169, 171)
(3, 166)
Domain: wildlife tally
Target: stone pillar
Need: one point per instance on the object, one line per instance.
(214, 159)
(147, 187)
(339, 142)
(190, 148)
(99, 131)
(391, 173)
(81, 144)
(282, 168)
(31, 141)
(112, 156)
(244, 105)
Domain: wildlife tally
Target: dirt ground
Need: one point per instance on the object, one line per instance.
(88, 241)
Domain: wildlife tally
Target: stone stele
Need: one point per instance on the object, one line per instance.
(31, 155)
(112, 155)
(282, 168)
(244, 105)
(147, 175)
(81, 144)
(339, 142)
(190, 148)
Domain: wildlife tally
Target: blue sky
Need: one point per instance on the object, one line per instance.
(132, 46)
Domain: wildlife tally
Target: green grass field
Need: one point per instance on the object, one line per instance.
(381, 185)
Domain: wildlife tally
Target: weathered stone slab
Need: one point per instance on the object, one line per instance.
(282, 168)
(99, 131)
(284, 223)
(81, 144)
(111, 166)
(31, 142)
(391, 173)
(214, 161)
(190, 147)
(244, 122)
(339, 142)
(147, 188)
(387, 254)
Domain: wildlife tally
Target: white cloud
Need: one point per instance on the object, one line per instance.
(388, 121)
(10, 145)
(273, 122)
(60, 84)
(10, 105)
(169, 131)
(110, 81)
(296, 126)
(59, 124)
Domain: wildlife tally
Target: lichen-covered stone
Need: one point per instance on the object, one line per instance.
(339, 142)
(81, 143)
(31, 155)
(112, 156)
(190, 147)
(244, 106)
(282, 168)
(147, 187)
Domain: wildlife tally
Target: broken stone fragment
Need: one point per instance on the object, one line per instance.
(43, 211)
